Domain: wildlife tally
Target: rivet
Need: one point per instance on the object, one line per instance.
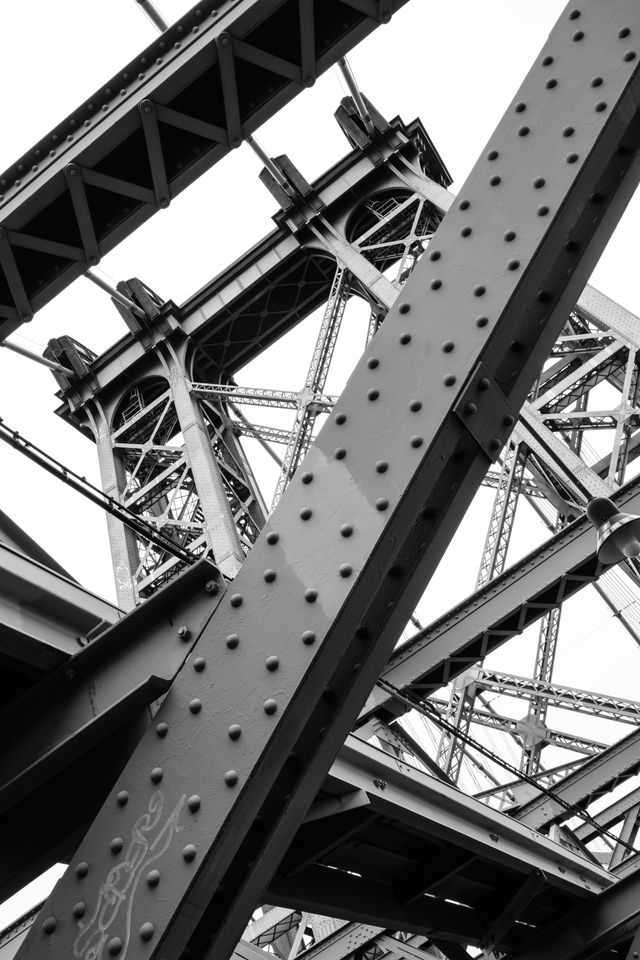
(116, 845)
(547, 61)
(236, 600)
(406, 307)
(272, 663)
(572, 157)
(305, 513)
(345, 570)
(551, 83)
(574, 14)
(600, 106)
(153, 878)
(341, 418)
(523, 131)
(479, 291)
(307, 477)
(520, 107)
(346, 530)
(272, 537)
(470, 409)
(146, 931)
(578, 35)
(373, 394)
(596, 82)
(513, 264)
(624, 32)
(510, 235)
(199, 664)
(270, 707)
(435, 284)
(482, 321)
(382, 503)
(308, 637)
(495, 180)
(542, 211)
(464, 204)
(194, 803)
(629, 55)
(211, 587)
(382, 466)
(516, 347)
(82, 868)
(465, 232)
(494, 444)
(232, 641)
(115, 946)
(416, 441)
(373, 362)
(493, 155)
(122, 798)
(311, 596)
(340, 453)
(405, 338)
(269, 576)
(484, 383)
(508, 421)
(449, 380)
(434, 255)
(156, 775)
(162, 729)
(79, 909)
(539, 182)
(195, 705)
(415, 405)
(184, 633)
(189, 852)
(568, 132)
(49, 925)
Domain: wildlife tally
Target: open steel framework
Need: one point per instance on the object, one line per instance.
(243, 737)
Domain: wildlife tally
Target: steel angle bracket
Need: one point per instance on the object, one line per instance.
(485, 412)
(298, 641)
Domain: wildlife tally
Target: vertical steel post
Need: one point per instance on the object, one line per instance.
(124, 550)
(222, 533)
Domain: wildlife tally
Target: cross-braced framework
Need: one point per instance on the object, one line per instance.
(271, 808)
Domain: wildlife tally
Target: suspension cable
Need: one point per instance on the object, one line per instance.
(431, 712)
(94, 494)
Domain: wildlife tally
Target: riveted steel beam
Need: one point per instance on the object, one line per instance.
(499, 611)
(218, 62)
(317, 605)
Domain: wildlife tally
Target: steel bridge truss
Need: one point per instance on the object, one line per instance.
(484, 349)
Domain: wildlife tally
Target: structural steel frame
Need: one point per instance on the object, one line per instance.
(216, 787)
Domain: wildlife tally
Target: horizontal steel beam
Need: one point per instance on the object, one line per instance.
(496, 613)
(44, 616)
(413, 803)
(563, 697)
(151, 130)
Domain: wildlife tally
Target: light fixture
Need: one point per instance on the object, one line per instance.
(618, 533)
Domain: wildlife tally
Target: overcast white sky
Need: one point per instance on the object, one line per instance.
(456, 65)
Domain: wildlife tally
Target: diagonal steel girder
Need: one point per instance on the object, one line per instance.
(189, 98)
(499, 611)
(328, 587)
